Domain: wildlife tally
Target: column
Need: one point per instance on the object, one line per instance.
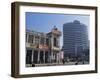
(56, 57)
(33, 39)
(32, 56)
(39, 50)
(58, 42)
(50, 56)
(44, 56)
(39, 56)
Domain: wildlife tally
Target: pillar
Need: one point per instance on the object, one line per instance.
(58, 41)
(44, 56)
(39, 50)
(32, 56)
(38, 56)
(56, 57)
(34, 39)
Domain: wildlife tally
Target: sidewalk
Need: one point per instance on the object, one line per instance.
(60, 64)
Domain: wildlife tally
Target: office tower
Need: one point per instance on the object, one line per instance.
(75, 39)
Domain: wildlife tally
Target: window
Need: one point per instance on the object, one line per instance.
(55, 42)
(42, 40)
(47, 41)
(30, 39)
(36, 39)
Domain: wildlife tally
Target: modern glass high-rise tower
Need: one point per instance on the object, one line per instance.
(75, 39)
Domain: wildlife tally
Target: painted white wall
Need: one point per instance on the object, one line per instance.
(5, 40)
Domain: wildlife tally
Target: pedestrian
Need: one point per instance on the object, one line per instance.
(63, 60)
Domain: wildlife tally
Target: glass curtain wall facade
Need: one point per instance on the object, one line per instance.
(75, 38)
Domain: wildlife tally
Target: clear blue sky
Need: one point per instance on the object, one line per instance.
(44, 22)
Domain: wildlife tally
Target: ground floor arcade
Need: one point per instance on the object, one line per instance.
(38, 56)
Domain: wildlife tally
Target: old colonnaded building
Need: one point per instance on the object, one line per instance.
(42, 47)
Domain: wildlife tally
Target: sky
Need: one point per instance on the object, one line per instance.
(44, 22)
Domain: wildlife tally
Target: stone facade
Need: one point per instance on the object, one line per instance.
(42, 48)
